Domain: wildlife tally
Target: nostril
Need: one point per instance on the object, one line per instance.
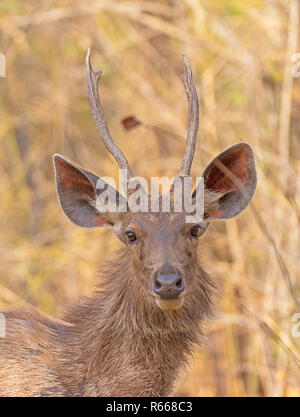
(179, 283)
(157, 285)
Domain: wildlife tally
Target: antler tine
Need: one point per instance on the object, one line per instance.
(193, 104)
(98, 114)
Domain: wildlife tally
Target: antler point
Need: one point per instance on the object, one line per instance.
(88, 55)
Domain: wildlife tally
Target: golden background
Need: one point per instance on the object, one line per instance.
(241, 56)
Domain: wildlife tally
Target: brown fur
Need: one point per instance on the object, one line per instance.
(116, 343)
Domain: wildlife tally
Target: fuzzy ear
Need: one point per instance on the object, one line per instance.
(77, 193)
(232, 176)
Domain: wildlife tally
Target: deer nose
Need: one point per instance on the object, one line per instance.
(168, 286)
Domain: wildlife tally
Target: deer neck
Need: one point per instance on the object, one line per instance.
(121, 333)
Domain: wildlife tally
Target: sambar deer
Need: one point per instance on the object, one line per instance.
(131, 337)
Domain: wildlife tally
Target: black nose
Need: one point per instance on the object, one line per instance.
(168, 286)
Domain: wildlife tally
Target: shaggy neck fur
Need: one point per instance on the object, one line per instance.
(121, 343)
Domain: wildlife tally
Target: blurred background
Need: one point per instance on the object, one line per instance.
(241, 55)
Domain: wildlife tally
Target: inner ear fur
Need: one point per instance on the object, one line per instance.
(76, 189)
(230, 182)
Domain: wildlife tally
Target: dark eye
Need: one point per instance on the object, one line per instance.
(131, 236)
(195, 231)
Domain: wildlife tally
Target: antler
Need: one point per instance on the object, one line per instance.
(98, 114)
(193, 103)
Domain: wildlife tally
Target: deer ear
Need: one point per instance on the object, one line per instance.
(76, 189)
(232, 175)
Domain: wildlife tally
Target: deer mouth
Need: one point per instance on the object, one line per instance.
(169, 304)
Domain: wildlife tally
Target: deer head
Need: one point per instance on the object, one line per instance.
(162, 245)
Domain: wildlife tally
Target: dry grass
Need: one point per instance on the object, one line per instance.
(240, 52)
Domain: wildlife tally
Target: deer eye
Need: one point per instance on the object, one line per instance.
(130, 236)
(195, 231)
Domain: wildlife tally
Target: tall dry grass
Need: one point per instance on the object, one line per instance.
(240, 52)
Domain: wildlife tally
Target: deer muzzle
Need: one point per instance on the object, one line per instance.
(168, 289)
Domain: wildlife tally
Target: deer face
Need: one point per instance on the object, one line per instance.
(162, 245)
(163, 249)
